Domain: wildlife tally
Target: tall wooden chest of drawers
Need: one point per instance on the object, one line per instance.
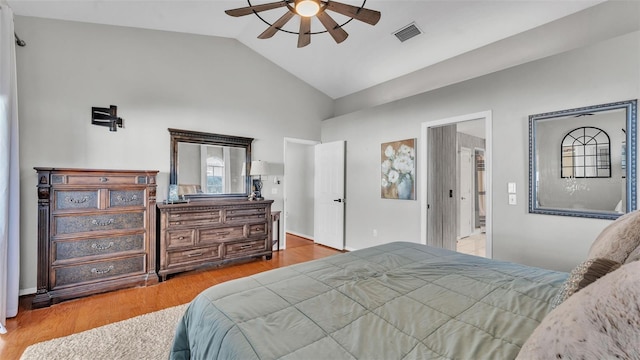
(96, 232)
(212, 232)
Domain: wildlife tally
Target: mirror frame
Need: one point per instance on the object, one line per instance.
(197, 137)
(630, 171)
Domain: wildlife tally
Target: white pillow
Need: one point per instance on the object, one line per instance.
(601, 321)
(619, 239)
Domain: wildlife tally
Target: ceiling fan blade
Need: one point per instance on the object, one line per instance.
(370, 17)
(304, 37)
(338, 33)
(273, 29)
(257, 8)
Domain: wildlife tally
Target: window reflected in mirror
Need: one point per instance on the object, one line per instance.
(212, 169)
(586, 153)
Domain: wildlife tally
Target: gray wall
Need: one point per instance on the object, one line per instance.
(158, 80)
(605, 72)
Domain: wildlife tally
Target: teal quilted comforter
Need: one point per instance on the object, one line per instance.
(394, 301)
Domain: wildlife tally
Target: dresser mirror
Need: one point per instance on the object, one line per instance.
(582, 162)
(205, 165)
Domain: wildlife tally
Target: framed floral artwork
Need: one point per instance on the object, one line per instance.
(398, 169)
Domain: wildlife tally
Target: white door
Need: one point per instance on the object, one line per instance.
(466, 193)
(329, 194)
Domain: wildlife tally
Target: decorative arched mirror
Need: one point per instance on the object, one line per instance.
(206, 165)
(582, 162)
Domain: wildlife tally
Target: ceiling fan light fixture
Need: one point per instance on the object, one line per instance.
(307, 8)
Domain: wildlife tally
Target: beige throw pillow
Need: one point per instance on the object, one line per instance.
(618, 239)
(583, 275)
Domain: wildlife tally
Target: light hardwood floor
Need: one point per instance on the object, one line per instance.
(33, 326)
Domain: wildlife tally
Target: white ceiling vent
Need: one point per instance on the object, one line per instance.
(407, 32)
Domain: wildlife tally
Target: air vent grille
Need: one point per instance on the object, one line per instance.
(407, 32)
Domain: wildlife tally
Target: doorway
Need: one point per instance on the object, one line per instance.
(443, 208)
(298, 189)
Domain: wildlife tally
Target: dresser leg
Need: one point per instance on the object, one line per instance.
(268, 257)
(42, 299)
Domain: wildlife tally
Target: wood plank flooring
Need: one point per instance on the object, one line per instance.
(36, 325)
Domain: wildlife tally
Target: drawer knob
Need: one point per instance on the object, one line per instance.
(181, 238)
(259, 229)
(195, 254)
(102, 271)
(102, 223)
(104, 179)
(102, 246)
(81, 200)
(124, 199)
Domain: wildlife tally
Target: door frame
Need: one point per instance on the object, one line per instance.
(288, 140)
(424, 173)
(469, 178)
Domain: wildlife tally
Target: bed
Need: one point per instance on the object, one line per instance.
(394, 301)
(404, 300)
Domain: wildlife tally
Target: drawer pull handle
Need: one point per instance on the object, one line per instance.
(124, 199)
(101, 246)
(102, 223)
(245, 246)
(102, 271)
(259, 229)
(195, 254)
(176, 215)
(180, 237)
(223, 233)
(83, 199)
(104, 179)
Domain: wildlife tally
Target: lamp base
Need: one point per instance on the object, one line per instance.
(257, 186)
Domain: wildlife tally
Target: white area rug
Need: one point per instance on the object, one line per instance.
(147, 336)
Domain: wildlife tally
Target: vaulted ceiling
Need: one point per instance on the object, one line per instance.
(371, 55)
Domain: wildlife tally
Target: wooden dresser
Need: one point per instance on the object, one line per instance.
(206, 233)
(96, 232)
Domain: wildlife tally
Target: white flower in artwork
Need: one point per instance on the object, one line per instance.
(385, 183)
(404, 164)
(407, 151)
(386, 166)
(389, 152)
(393, 176)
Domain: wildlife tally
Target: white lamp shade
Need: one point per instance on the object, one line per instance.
(259, 167)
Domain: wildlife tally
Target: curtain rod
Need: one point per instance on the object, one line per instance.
(19, 41)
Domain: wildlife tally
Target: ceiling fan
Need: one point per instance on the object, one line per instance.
(306, 9)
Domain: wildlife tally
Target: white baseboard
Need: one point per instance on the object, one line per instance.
(27, 291)
(300, 235)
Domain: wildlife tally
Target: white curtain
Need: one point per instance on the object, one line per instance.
(9, 171)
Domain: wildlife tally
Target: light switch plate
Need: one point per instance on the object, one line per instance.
(512, 199)
(511, 188)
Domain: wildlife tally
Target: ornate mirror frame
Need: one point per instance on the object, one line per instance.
(627, 165)
(196, 137)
